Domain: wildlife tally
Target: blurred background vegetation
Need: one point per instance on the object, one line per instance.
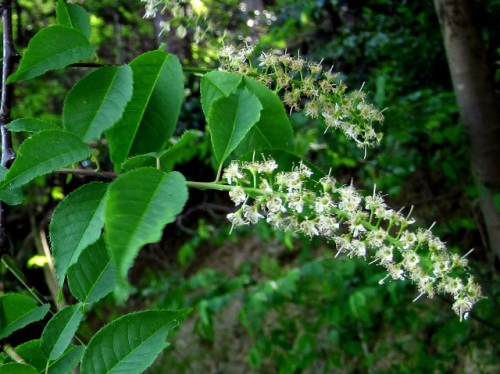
(269, 302)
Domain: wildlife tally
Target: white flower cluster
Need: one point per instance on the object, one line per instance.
(304, 85)
(359, 226)
(182, 17)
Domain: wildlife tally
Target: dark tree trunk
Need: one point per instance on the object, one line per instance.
(479, 110)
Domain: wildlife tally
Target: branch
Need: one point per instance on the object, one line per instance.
(9, 57)
(88, 173)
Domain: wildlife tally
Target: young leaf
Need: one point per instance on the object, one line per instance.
(139, 205)
(52, 48)
(215, 85)
(230, 118)
(60, 330)
(97, 101)
(94, 275)
(72, 15)
(76, 223)
(17, 368)
(30, 125)
(42, 153)
(130, 343)
(17, 311)
(151, 116)
(273, 130)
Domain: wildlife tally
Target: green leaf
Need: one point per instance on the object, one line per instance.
(30, 125)
(76, 223)
(42, 153)
(17, 311)
(60, 330)
(32, 354)
(97, 101)
(273, 130)
(151, 116)
(52, 48)
(215, 85)
(182, 151)
(11, 197)
(72, 15)
(94, 275)
(68, 361)
(16, 368)
(130, 343)
(230, 118)
(139, 205)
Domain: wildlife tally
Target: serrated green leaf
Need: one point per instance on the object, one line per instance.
(230, 118)
(52, 48)
(16, 368)
(273, 130)
(149, 160)
(94, 275)
(139, 205)
(31, 125)
(150, 117)
(76, 223)
(11, 197)
(32, 354)
(130, 343)
(17, 311)
(72, 15)
(68, 361)
(215, 85)
(97, 101)
(60, 330)
(42, 153)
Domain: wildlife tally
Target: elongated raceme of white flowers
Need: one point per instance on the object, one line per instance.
(359, 226)
(304, 85)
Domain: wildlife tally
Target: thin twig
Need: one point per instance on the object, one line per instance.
(88, 173)
(9, 56)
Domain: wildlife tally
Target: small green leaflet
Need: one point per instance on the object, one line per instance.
(30, 125)
(52, 48)
(229, 119)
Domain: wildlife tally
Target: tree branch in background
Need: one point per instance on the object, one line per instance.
(9, 56)
(473, 83)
